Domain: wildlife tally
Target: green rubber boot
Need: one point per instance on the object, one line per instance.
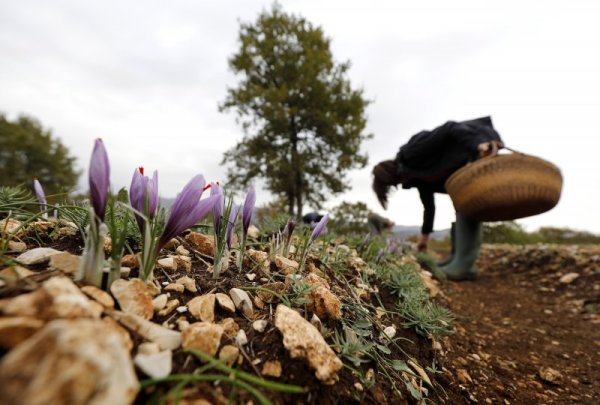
(449, 258)
(468, 237)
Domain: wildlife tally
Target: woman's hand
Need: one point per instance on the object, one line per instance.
(489, 148)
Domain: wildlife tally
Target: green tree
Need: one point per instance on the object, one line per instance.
(28, 151)
(350, 217)
(303, 123)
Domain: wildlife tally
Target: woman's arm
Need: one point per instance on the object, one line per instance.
(428, 216)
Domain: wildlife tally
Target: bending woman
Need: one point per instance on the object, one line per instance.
(425, 162)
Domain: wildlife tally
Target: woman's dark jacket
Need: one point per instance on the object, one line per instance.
(430, 157)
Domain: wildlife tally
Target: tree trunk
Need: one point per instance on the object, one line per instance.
(290, 202)
(296, 185)
(299, 192)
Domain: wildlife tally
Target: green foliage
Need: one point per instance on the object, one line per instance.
(506, 232)
(513, 233)
(430, 264)
(427, 317)
(223, 374)
(350, 217)
(566, 235)
(27, 151)
(15, 200)
(303, 123)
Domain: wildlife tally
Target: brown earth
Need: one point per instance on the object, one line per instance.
(517, 322)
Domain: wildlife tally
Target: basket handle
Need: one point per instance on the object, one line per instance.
(513, 151)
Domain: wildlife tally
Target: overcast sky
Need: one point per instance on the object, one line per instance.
(147, 77)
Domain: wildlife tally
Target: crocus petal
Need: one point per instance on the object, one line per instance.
(179, 221)
(319, 228)
(152, 188)
(182, 210)
(39, 192)
(365, 240)
(189, 196)
(136, 195)
(99, 179)
(248, 209)
(233, 215)
(379, 256)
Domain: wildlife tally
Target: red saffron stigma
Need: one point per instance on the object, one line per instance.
(206, 187)
(141, 169)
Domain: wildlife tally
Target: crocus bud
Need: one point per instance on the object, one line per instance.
(248, 210)
(319, 228)
(99, 179)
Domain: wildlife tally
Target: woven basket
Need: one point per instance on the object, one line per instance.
(505, 187)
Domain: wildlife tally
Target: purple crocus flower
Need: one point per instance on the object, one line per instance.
(233, 215)
(99, 179)
(187, 210)
(379, 256)
(39, 192)
(365, 240)
(319, 228)
(143, 189)
(248, 210)
(289, 228)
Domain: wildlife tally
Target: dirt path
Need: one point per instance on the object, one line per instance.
(524, 336)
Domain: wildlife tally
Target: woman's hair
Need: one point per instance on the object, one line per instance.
(384, 177)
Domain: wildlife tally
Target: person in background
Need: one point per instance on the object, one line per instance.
(425, 162)
(378, 224)
(312, 218)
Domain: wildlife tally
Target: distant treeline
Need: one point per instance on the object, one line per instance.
(511, 232)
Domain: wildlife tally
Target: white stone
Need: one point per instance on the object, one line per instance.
(241, 339)
(14, 330)
(203, 336)
(36, 256)
(253, 232)
(225, 302)
(133, 297)
(175, 287)
(182, 251)
(303, 340)
(316, 322)
(285, 265)
(73, 362)
(188, 282)
(568, 278)
(251, 276)
(102, 297)
(157, 365)
(203, 307)
(165, 338)
(58, 297)
(160, 302)
(17, 247)
(389, 331)
(168, 263)
(148, 348)
(10, 226)
(229, 354)
(260, 325)
(170, 307)
(242, 301)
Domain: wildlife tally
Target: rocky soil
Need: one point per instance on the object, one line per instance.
(527, 330)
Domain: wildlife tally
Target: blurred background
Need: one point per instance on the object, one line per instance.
(148, 77)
